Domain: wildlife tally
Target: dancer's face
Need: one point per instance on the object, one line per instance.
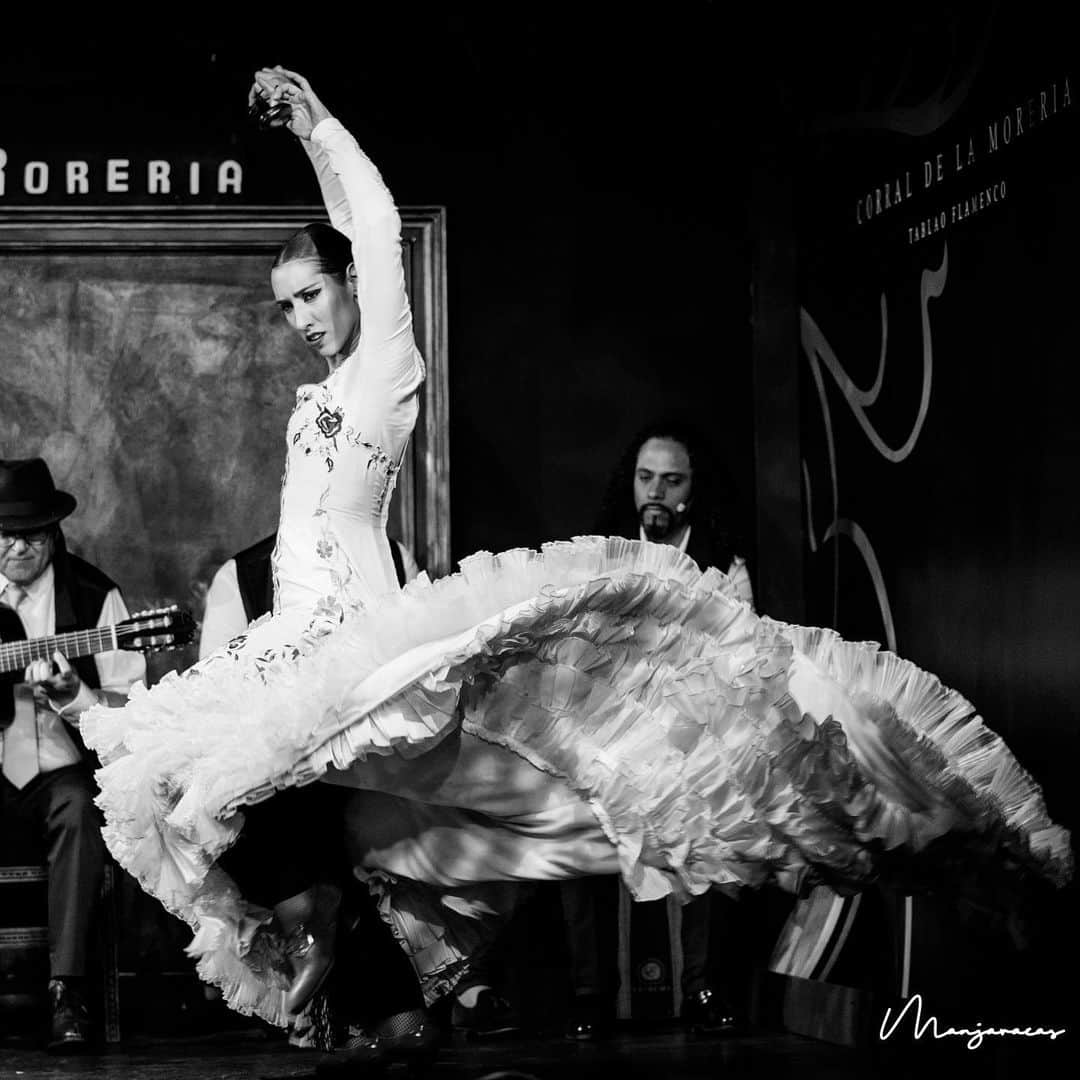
(663, 481)
(320, 307)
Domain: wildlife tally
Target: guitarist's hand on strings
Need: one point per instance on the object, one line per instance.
(55, 682)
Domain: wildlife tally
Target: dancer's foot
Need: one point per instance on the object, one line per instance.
(409, 1038)
(309, 921)
(406, 1038)
(361, 1054)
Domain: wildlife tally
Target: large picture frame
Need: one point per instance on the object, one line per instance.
(141, 354)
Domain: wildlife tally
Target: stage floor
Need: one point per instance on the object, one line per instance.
(661, 1054)
(243, 1056)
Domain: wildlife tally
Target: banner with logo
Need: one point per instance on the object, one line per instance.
(938, 229)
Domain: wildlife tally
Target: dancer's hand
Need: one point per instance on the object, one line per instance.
(290, 100)
(269, 101)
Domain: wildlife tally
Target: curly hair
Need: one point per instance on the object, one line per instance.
(716, 507)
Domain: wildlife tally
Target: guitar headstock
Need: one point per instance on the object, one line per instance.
(161, 628)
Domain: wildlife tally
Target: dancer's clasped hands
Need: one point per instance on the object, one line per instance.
(283, 98)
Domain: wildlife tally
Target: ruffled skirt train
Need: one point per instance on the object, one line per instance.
(598, 706)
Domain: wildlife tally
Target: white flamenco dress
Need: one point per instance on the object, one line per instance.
(599, 706)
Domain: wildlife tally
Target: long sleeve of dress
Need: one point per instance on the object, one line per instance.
(333, 194)
(348, 435)
(361, 206)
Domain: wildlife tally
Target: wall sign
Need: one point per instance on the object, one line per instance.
(93, 176)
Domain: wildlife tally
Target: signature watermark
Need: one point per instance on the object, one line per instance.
(974, 1035)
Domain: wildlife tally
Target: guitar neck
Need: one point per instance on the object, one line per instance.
(17, 655)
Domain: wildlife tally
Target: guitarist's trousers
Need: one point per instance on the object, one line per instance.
(54, 819)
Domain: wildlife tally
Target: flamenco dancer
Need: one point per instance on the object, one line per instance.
(599, 706)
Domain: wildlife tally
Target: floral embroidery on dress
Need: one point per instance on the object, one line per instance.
(314, 432)
(324, 430)
(328, 609)
(329, 421)
(269, 657)
(329, 550)
(380, 457)
(379, 460)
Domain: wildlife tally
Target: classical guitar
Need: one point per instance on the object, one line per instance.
(146, 631)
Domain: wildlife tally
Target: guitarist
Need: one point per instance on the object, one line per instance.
(47, 787)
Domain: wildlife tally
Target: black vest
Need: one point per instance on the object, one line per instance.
(254, 577)
(707, 550)
(80, 595)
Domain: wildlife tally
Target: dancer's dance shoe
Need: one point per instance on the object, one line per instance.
(309, 920)
(414, 1044)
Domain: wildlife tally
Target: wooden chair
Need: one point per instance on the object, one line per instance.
(36, 937)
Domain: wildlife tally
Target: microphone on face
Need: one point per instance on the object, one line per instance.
(680, 508)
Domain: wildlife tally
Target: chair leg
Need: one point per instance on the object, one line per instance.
(110, 960)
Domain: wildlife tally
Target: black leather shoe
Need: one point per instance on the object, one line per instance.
(416, 1047)
(491, 1016)
(312, 958)
(362, 1053)
(309, 921)
(370, 1053)
(373, 1051)
(70, 1030)
(589, 1019)
(707, 1014)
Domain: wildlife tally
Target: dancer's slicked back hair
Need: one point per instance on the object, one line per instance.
(320, 243)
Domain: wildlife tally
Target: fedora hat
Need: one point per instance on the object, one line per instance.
(28, 496)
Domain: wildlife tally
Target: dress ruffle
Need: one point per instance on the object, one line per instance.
(714, 747)
(928, 737)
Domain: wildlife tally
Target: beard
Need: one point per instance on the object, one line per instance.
(658, 522)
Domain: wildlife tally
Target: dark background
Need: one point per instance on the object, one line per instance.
(592, 163)
(977, 530)
(604, 246)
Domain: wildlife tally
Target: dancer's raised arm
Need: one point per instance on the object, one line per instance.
(281, 106)
(361, 207)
